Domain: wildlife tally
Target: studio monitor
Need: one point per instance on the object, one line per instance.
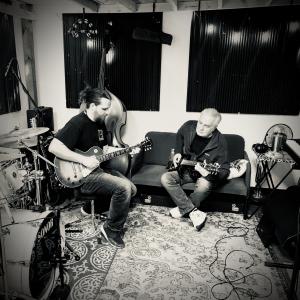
(40, 117)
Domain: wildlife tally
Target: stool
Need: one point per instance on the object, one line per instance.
(87, 197)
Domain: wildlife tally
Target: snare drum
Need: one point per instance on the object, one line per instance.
(30, 248)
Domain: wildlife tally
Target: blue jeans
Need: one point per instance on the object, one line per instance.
(114, 184)
(173, 184)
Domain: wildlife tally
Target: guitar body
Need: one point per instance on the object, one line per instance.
(72, 174)
(191, 170)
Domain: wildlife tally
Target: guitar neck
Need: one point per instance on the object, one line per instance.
(191, 163)
(108, 156)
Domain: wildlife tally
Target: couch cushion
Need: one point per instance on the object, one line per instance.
(235, 186)
(162, 143)
(149, 175)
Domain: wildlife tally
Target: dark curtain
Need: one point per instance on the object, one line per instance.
(9, 86)
(245, 61)
(133, 66)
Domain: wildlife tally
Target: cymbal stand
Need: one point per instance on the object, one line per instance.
(38, 174)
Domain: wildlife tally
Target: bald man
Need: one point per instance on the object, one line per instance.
(202, 142)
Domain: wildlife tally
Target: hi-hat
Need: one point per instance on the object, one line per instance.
(11, 156)
(4, 150)
(21, 134)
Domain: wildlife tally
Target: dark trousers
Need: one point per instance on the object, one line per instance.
(120, 189)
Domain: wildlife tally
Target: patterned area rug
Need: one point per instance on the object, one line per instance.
(166, 258)
(86, 275)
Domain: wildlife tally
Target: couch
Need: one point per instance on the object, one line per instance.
(148, 166)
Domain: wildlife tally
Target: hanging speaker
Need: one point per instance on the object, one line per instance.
(144, 34)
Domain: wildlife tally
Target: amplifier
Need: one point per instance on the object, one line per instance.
(40, 117)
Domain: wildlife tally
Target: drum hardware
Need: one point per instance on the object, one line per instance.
(70, 248)
(53, 185)
(27, 165)
(37, 174)
(61, 291)
(13, 178)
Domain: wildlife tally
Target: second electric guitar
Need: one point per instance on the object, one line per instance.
(72, 174)
(212, 168)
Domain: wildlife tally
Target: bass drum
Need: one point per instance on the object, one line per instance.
(30, 248)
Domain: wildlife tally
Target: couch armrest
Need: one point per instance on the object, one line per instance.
(136, 163)
(248, 173)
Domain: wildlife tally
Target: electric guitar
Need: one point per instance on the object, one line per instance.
(72, 174)
(185, 164)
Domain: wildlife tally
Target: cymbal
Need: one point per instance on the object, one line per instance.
(12, 156)
(29, 142)
(4, 150)
(21, 134)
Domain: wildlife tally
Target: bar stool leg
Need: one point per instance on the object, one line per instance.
(93, 213)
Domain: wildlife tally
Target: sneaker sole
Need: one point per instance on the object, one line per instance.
(199, 227)
(174, 217)
(106, 240)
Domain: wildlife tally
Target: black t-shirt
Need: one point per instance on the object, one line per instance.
(198, 144)
(82, 133)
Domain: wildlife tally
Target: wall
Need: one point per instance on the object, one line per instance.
(17, 119)
(174, 73)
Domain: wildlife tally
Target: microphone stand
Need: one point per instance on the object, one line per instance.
(11, 69)
(23, 86)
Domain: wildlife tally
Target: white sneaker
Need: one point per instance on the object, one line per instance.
(175, 213)
(198, 218)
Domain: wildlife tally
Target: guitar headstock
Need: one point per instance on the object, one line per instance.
(146, 144)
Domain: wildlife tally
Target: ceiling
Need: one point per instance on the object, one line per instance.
(175, 5)
(25, 8)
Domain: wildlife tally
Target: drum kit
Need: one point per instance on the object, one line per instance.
(28, 232)
(20, 172)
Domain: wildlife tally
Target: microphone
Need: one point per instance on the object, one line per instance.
(8, 66)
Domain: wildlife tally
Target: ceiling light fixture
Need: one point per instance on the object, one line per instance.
(82, 26)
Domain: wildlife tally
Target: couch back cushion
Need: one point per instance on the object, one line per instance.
(236, 146)
(163, 142)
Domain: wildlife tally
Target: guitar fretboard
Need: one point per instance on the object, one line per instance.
(111, 155)
(192, 163)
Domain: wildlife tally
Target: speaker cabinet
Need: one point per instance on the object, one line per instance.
(280, 218)
(40, 117)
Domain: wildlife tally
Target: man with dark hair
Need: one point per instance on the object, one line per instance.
(202, 142)
(83, 131)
